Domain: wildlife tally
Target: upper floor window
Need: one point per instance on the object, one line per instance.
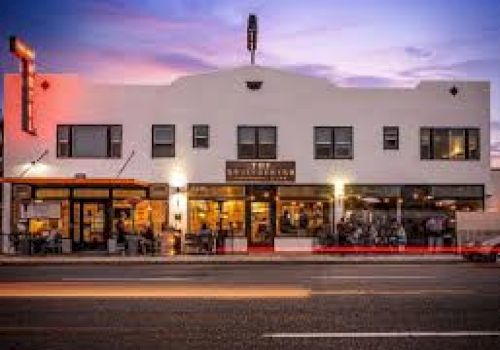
(256, 142)
(89, 141)
(201, 136)
(449, 143)
(163, 141)
(333, 142)
(391, 137)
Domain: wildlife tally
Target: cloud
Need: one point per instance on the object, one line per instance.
(183, 62)
(471, 67)
(316, 70)
(418, 52)
(495, 125)
(367, 81)
(495, 148)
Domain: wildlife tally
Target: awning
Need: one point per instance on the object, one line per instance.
(73, 182)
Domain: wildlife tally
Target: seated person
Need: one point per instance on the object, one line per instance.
(205, 238)
(121, 232)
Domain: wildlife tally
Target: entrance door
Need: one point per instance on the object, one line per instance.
(89, 225)
(261, 230)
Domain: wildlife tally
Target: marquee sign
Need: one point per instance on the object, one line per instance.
(260, 171)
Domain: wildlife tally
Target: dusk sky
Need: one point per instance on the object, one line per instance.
(381, 43)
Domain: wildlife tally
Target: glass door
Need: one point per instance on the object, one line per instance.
(89, 219)
(261, 231)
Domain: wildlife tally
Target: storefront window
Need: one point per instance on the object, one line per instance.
(303, 218)
(227, 216)
(40, 217)
(138, 216)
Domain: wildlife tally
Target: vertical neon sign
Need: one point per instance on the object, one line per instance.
(26, 56)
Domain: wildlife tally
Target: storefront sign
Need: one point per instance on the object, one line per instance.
(317, 192)
(158, 191)
(90, 193)
(122, 193)
(48, 210)
(21, 191)
(215, 192)
(43, 193)
(260, 171)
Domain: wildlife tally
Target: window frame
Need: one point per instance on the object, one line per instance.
(257, 144)
(195, 137)
(153, 144)
(70, 141)
(466, 130)
(333, 143)
(385, 129)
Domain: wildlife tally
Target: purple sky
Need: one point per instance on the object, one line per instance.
(352, 42)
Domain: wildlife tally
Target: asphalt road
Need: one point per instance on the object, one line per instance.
(454, 306)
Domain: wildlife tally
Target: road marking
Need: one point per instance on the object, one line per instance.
(356, 292)
(139, 290)
(372, 277)
(124, 279)
(449, 334)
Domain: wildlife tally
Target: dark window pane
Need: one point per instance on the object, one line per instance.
(247, 148)
(63, 149)
(115, 148)
(200, 136)
(163, 134)
(163, 151)
(246, 135)
(267, 142)
(324, 151)
(267, 151)
(267, 136)
(323, 142)
(473, 144)
(343, 142)
(425, 143)
(200, 142)
(246, 151)
(441, 143)
(256, 142)
(163, 141)
(323, 135)
(89, 141)
(391, 137)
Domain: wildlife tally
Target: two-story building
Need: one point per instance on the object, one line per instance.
(269, 156)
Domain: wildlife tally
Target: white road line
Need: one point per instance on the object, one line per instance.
(451, 334)
(124, 279)
(357, 292)
(372, 277)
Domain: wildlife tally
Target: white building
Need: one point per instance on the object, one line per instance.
(269, 156)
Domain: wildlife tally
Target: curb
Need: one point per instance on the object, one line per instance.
(224, 260)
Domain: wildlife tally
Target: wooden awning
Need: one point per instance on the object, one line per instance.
(74, 182)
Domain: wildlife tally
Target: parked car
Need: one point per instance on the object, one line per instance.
(482, 251)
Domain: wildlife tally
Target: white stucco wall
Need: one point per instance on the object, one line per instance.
(294, 103)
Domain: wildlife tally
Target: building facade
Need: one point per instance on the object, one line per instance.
(266, 156)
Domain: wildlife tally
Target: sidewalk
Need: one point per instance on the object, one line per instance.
(237, 259)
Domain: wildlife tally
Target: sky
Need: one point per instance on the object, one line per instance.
(365, 43)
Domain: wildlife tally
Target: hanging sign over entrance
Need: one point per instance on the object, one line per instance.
(260, 171)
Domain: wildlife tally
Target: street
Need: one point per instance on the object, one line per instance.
(280, 306)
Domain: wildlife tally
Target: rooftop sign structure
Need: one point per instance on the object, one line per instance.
(252, 36)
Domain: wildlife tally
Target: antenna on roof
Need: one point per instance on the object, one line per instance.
(252, 36)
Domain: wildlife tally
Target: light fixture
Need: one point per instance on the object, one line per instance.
(339, 188)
